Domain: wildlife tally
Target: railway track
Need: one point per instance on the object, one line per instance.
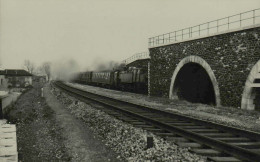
(217, 142)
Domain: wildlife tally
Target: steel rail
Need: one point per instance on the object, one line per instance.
(237, 131)
(233, 150)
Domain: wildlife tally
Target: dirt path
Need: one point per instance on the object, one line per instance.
(79, 141)
(38, 134)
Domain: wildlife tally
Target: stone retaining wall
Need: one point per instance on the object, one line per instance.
(231, 57)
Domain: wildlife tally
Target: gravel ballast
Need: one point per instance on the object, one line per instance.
(81, 143)
(129, 142)
(244, 119)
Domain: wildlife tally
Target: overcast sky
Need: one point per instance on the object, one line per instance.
(92, 31)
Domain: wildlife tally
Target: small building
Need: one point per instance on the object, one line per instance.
(15, 78)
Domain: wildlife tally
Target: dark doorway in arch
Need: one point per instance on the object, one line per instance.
(194, 85)
(256, 93)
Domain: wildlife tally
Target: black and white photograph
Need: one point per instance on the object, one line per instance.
(130, 80)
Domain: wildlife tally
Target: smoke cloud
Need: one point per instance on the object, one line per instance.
(107, 65)
(64, 69)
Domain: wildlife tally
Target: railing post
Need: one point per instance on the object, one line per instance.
(228, 23)
(175, 36)
(182, 33)
(199, 30)
(240, 20)
(1, 109)
(169, 37)
(208, 28)
(163, 38)
(254, 17)
(217, 25)
(191, 32)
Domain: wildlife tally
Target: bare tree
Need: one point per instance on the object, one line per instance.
(46, 66)
(30, 67)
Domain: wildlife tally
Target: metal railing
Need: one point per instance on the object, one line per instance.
(244, 19)
(138, 56)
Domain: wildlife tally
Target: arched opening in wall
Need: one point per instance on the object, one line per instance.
(251, 94)
(193, 84)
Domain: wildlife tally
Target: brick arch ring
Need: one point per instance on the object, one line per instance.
(248, 97)
(205, 65)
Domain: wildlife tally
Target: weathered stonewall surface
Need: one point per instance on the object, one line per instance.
(231, 57)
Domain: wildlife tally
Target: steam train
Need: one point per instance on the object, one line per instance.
(132, 79)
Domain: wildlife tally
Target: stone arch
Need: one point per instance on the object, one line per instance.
(248, 95)
(197, 60)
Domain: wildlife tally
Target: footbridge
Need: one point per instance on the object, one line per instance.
(216, 63)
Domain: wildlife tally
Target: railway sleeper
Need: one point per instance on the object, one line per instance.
(120, 116)
(204, 130)
(177, 139)
(111, 111)
(166, 134)
(193, 127)
(114, 114)
(153, 116)
(189, 144)
(182, 124)
(128, 119)
(217, 134)
(223, 159)
(255, 150)
(145, 126)
(175, 121)
(138, 123)
(248, 145)
(206, 152)
(144, 112)
(233, 139)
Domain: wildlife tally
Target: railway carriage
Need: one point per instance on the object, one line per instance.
(102, 78)
(84, 77)
(87, 77)
(133, 79)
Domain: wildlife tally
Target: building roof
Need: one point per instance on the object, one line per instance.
(15, 72)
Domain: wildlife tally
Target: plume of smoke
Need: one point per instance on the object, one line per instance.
(107, 65)
(64, 69)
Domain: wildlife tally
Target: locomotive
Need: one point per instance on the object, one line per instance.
(132, 79)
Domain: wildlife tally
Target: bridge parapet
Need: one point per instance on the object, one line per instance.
(237, 21)
(138, 56)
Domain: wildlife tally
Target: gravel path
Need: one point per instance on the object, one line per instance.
(38, 134)
(81, 144)
(239, 118)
